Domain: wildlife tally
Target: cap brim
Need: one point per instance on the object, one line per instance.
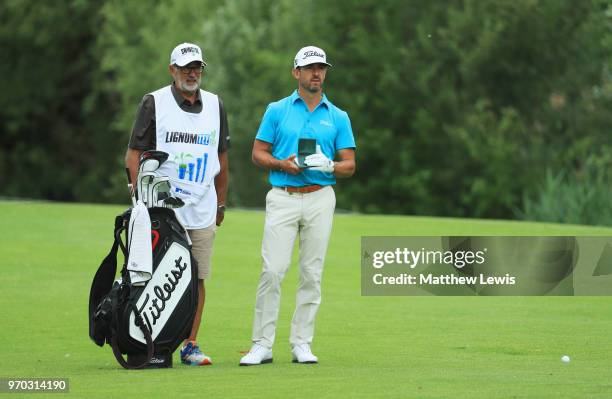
(315, 62)
(189, 62)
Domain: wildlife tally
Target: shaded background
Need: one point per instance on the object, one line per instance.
(488, 108)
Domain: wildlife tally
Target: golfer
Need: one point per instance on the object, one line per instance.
(301, 201)
(189, 124)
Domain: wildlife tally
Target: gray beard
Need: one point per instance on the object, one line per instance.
(183, 87)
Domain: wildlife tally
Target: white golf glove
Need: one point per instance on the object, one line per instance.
(319, 162)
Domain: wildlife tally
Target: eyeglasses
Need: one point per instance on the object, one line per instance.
(186, 70)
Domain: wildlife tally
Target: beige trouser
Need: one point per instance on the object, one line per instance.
(287, 215)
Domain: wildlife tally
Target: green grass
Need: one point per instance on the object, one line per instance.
(392, 347)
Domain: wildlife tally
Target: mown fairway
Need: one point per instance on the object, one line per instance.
(404, 347)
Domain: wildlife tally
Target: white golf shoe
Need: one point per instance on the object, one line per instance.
(257, 355)
(302, 354)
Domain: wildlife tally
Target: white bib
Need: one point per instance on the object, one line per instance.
(192, 142)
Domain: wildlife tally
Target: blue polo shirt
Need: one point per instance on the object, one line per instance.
(288, 120)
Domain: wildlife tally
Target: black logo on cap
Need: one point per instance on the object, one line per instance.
(312, 53)
(190, 50)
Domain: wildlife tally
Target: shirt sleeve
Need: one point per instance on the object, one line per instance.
(224, 137)
(268, 125)
(344, 138)
(144, 130)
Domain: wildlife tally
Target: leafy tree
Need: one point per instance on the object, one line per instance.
(52, 134)
(459, 107)
(451, 101)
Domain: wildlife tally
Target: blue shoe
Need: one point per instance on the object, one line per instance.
(193, 356)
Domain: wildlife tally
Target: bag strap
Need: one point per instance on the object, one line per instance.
(104, 277)
(148, 339)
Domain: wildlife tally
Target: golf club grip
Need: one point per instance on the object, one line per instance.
(129, 177)
(133, 194)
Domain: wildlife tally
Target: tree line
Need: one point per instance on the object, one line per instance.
(468, 108)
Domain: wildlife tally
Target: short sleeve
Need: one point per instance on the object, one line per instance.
(344, 138)
(268, 125)
(143, 131)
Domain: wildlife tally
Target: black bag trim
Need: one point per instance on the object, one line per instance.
(103, 281)
(148, 338)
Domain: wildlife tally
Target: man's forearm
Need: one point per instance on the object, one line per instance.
(265, 160)
(345, 168)
(262, 157)
(132, 158)
(222, 179)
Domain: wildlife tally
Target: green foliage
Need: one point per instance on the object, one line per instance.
(451, 102)
(495, 166)
(458, 107)
(251, 50)
(580, 198)
(54, 139)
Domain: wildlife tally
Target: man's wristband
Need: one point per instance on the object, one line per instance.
(221, 208)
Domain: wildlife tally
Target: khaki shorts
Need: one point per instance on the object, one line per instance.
(202, 243)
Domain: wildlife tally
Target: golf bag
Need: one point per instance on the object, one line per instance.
(148, 321)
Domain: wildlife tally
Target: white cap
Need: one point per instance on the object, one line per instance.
(310, 55)
(185, 53)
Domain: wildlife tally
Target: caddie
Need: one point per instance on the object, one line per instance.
(191, 125)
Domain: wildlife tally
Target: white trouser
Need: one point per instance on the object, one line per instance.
(287, 215)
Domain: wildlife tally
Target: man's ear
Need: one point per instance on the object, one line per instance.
(295, 72)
